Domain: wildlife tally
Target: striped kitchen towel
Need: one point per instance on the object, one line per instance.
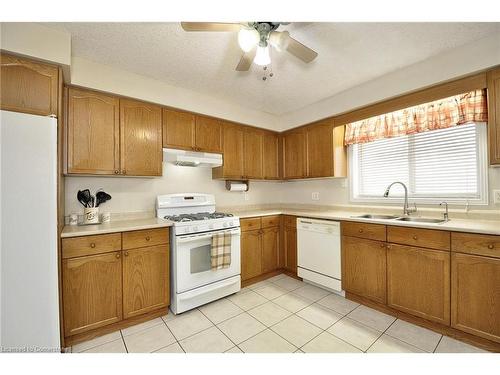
(220, 254)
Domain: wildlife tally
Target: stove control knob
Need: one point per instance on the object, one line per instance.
(231, 224)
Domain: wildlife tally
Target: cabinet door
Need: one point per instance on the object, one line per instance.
(364, 268)
(233, 153)
(28, 86)
(294, 154)
(494, 115)
(145, 280)
(251, 254)
(93, 126)
(475, 295)
(418, 282)
(178, 129)
(270, 248)
(141, 140)
(270, 160)
(290, 244)
(208, 134)
(252, 157)
(319, 150)
(92, 292)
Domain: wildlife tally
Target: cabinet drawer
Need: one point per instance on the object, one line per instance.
(250, 224)
(432, 239)
(142, 238)
(479, 244)
(290, 221)
(363, 230)
(90, 245)
(270, 221)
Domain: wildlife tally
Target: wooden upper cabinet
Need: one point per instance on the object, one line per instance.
(92, 290)
(418, 282)
(252, 154)
(493, 83)
(141, 138)
(145, 280)
(93, 132)
(270, 156)
(325, 152)
(475, 295)
(178, 129)
(28, 86)
(208, 134)
(294, 154)
(232, 141)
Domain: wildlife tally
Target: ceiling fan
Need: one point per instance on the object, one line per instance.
(257, 34)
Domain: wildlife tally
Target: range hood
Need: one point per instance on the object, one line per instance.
(191, 158)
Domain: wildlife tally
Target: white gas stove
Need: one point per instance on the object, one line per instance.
(193, 282)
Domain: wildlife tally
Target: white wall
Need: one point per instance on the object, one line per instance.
(456, 62)
(139, 194)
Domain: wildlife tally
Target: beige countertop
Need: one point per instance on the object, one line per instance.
(457, 225)
(114, 226)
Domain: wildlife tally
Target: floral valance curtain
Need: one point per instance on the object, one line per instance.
(439, 114)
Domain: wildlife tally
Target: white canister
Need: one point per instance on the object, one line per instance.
(73, 219)
(91, 215)
(106, 217)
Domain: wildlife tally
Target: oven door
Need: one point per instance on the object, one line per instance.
(192, 260)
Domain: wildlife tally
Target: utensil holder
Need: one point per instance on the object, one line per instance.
(91, 215)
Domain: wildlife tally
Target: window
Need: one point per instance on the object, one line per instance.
(448, 164)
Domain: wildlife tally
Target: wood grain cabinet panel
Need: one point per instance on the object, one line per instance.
(290, 246)
(28, 86)
(252, 154)
(270, 248)
(145, 280)
(418, 282)
(478, 244)
(141, 138)
(270, 221)
(89, 245)
(145, 237)
(294, 154)
(364, 268)
(364, 230)
(178, 129)
(270, 154)
(493, 84)
(232, 145)
(250, 223)
(475, 295)
(251, 254)
(319, 149)
(208, 134)
(93, 133)
(430, 238)
(92, 292)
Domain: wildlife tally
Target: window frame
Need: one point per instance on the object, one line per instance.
(483, 200)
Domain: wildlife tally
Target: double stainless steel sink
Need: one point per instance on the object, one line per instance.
(401, 218)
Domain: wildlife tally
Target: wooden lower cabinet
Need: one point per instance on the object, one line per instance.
(475, 295)
(364, 268)
(418, 282)
(251, 254)
(145, 271)
(290, 246)
(270, 248)
(92, 292)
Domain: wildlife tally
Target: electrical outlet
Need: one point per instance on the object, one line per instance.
(496, 196)
(246, 196)
(315, 196)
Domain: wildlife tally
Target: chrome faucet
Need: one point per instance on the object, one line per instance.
(406, 208)
(445, 215)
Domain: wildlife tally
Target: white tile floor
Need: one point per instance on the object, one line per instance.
(279, 315)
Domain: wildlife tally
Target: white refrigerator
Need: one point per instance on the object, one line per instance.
(28, 233)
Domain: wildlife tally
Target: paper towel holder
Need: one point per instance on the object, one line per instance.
(230, 182)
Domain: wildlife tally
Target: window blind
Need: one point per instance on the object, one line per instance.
(440, 164)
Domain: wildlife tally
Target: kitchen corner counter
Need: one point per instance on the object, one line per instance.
(113, 227)
(454, 225)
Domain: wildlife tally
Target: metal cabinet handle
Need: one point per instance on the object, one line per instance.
(415, 237)
(360, 231)
(117, 256)
(117, 171)
(491, 246)
(124, 171)
(148, 238)
(389, 247)
(382, 244)
(126, 253)
(92, 245)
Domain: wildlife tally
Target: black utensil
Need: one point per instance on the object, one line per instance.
(102, 197)
(87, 197)
(81, 198)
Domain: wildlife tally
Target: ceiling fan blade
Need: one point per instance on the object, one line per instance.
(246, 61)
(297, 49)
(210, 26)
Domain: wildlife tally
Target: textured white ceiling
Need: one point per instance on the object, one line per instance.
(349, 54)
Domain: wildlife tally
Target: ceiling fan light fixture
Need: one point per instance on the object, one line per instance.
(262, 56)
(248, 38)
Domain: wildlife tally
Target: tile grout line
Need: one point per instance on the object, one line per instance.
(215, 325)
(397, 338)
(384, 332)
(439, 342)
(123, 340)
(175, 338)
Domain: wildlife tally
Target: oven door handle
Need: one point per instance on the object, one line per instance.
(197, 237)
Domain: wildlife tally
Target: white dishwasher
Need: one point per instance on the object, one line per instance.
(318, 243)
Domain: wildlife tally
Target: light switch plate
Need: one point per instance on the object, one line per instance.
(496, 196)
(315, 196)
